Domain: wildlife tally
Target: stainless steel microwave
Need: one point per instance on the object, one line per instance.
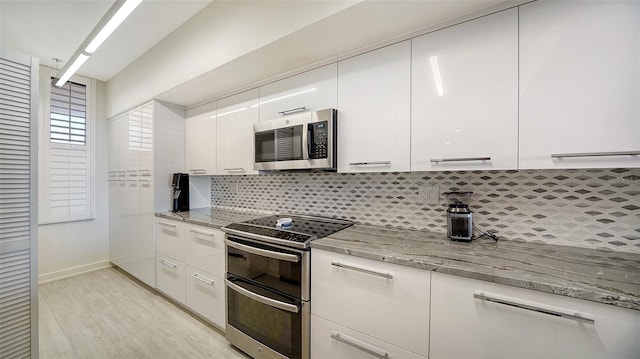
(304, 141)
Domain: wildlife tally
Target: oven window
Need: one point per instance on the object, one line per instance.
(276, 328)
(281, 275)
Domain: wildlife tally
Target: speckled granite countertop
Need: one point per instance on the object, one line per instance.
(212, 217)
(600, 276)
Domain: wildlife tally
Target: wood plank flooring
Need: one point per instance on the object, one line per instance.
(106, 314)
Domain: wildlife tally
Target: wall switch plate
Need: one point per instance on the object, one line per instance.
(429, 195)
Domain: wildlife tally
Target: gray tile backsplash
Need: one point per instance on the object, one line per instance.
(595, 208)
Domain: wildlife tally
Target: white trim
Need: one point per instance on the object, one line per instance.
(72, 272)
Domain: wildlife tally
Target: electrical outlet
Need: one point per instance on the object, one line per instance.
(429, 195)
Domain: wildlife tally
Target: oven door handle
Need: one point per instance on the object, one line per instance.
(262, 299)
(263, 252)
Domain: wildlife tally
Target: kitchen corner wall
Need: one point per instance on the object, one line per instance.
(594, 208)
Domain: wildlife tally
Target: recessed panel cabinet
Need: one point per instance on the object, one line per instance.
(580, 84)
(234, 142)
(464, 96)
(309, 91)
(477, 319)
(374, 101)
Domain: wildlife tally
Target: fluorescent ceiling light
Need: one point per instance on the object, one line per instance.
(112, 24)
(109, 22)
(435, 67)
(72, 69)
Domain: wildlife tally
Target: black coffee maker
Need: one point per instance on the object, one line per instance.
(180, 189)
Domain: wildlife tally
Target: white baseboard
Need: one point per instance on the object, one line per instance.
(70, 272)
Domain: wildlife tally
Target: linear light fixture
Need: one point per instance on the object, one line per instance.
(109, 22)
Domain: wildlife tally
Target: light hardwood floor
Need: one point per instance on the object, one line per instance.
(106, 314)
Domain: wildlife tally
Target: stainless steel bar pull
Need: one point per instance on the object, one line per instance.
(374, 163)
(197, 171)
(373, 351)
(363, 270)
(263, 252)
(460, 159)
(203, 279)
(168, 224)
(234, 169)
(595, 154)
(167, 263)
(514, 302)
(293, 110)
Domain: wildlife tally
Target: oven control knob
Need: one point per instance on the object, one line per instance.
(259, 350)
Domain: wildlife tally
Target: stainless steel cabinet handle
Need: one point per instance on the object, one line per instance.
(461, 159)
(122, 173)
(374, 163)
(376, 352)
(132, 173)
(198, 171)
(145, 172)
(293, 110)
(203, 279)
(595, 154)
(210, 234)
(168, 224)
(262, 299)
(167, 263)
(262, 252)
(514, 302)
(235, 169)
(363, 270)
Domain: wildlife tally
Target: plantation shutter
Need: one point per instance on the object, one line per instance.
(18, 198)
(66, 181)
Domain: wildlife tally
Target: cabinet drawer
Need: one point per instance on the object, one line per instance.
(205, 249)
(170, 277)
(170, 239)
(386, 301)
(205, 295)
(501, 326)
(331, 340)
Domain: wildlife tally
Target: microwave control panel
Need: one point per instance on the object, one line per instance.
(318, 143)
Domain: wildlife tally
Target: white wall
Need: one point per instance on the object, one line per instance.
(66, 249)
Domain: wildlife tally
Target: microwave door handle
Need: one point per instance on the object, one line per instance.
(306, 140)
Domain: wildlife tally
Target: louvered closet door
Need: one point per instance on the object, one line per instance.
(18, 205)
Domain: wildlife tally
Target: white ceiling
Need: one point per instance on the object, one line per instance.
(50, 29)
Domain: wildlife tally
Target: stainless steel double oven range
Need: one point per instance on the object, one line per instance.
(268, 284)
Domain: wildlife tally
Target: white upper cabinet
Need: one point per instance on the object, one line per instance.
(234, 120)
(465, 96)
(374, 102)
(579, 84)
(311, 91)
(200, 144)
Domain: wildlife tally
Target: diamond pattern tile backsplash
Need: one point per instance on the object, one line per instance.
(595, 208)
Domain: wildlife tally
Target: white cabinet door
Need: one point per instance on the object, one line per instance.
(205, 295)
(312, 90)
(205, 249)
(579, 83)
(330, 340)
(170, 278)
(494, 330)
(170, 239)
(200, 144)
(235, 118)
(374, 100)
(465, 96)
(385, 301)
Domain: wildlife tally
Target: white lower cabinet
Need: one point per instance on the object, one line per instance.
(170, 238)
(205, 249)
(170, 277)
(330, 340)
(385, 301)
(206, 295)
(471, 318)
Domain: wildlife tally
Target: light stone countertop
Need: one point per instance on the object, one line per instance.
(600, 276)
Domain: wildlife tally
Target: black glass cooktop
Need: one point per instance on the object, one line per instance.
(303, 229)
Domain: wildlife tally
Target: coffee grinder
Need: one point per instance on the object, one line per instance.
(459, 217)
(180, 192)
